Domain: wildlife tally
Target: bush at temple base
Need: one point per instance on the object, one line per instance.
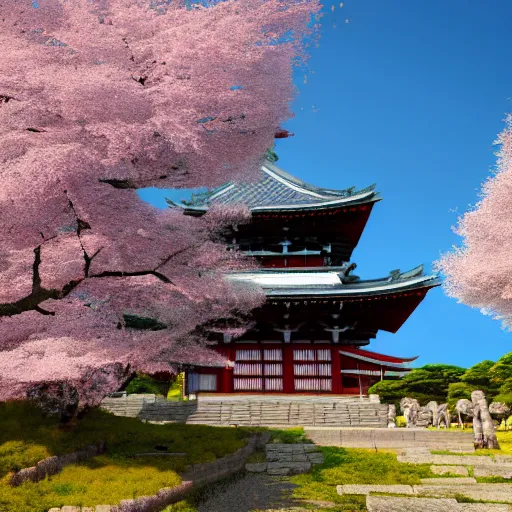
(427, 383)
(446, 383)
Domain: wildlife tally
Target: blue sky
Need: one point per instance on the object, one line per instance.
(409, 95)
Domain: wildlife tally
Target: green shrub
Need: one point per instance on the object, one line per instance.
(143, 383)
(400, 421)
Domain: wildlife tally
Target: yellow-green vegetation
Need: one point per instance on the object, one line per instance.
(176, 389)
(101, 480)
(26, 437)
(504, 439)
(355, 466)
(289, 436)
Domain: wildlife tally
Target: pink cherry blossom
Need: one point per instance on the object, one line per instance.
(97, 99)
(479, 273)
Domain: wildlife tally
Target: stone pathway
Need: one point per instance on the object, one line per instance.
(483, 465)
(440, 494)
(247, 493)
(287, 459)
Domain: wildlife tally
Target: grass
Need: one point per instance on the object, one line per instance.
(26, 437)
(289, 436)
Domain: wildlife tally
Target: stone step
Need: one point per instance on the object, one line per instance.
(479, 492)
(369, 488)
(394, 504)
(448, 481)
(450, 470)
(493, 470)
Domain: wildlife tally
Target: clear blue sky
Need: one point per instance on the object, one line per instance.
(409, 95)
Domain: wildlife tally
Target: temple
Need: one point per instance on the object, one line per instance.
(307, 337)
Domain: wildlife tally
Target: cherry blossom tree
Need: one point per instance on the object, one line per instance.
(479, 273)
(99, 98)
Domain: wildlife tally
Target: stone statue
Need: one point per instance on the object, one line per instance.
(442, 416)
(483, 427)
(391, 416)
(410, 408)
(500, 410)
(464, 407)
(432, 406)
(424, 417)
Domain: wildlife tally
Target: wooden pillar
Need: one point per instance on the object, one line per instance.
(360, 385)
(288, 384)
(227, 372)
(336, 371)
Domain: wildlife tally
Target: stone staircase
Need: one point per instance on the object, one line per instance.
(334, 412)
(149, 407)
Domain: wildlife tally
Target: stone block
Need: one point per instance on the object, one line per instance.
(450, 470)
(316, 458)
(69, 508)
(87, 509)
(393, 504)
(503, 459)
(103, 508)
(494, 470)
(256, 467)
(479, 492)
(278, 471)
(367, 489)
(54, 509)
(448, 481)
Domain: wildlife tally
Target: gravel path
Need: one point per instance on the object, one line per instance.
(246, 493)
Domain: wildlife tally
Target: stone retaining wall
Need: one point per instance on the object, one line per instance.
(53, 465)
(196, 475)
(150, 408)
(390, 438)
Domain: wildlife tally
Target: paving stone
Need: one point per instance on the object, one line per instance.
(449, 470)
(448, 481)
(256, 467)
(69, 508)
(484, 507)
(495, 470)
(87, 509)
(503, 459)
(103, 508)
(458, 460)
(316, 458)
(300, 457)
(54, 509)
(308, 448)
(393, 504)
(367, 489)
(480, 492)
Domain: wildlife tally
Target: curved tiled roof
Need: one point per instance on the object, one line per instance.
(327, 281)
(278, 190)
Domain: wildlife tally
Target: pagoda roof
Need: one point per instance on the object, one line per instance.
(332, 282)
(401, 363)
(276, 190)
